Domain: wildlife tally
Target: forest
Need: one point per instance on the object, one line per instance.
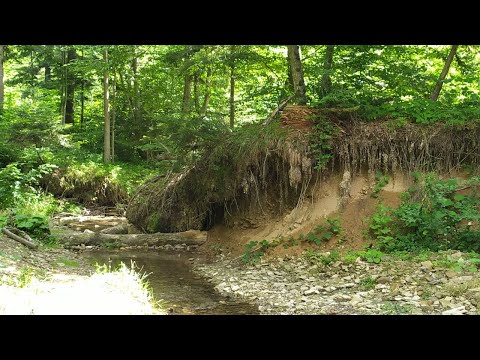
(251, 143)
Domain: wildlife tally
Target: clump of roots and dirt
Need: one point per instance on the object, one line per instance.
(86, 184)
(255, 173)
(309, 159)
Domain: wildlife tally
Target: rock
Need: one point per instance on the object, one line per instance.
(451, 274)
(356, 299)
(457, 255)
(427, 264)
(383, 280)
(311, 291)
(235, 287)
(446, 301)
(455, 311)
(461, 279)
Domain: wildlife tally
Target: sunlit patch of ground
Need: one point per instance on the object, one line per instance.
(115, 293)
(54, 281)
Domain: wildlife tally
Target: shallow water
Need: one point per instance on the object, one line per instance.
(173, 281)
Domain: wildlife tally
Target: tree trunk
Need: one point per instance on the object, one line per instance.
(443, 75)
(48, 74)
(326, 85)
(136, 89)
(32, 71)
(70, 90)
(196, 96)
(297, 74)
(232, 86)
(2, 86)
(126, 85)
(106, 104)
(82, 104)
(191, 237)
(206, 99)
(114, 105)
(187, 93)
(64, 86)
(290, 86)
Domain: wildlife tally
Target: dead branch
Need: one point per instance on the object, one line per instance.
(20, 239)
(279, 108)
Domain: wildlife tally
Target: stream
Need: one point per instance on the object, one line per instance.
(173, 281)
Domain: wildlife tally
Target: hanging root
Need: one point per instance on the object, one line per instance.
(375, 146)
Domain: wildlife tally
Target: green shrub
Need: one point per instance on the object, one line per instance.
(255, 250)
(324, 233)
(432, 216)
(380, 182)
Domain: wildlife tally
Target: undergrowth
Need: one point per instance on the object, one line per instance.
(435, 214)
(321, 234)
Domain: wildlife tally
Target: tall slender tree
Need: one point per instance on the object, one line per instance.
(232, 86)
(2, 87)
(106, 109)
(326, 84)
(70, 88)
(206, 98)
(297, 74)
(187, 93)
(443, 75)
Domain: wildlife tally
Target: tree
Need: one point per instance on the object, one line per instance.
(206, 98)
(232, 86)
(106, 109)
(443, 75)
(69, 88)
(326, 84)
(297, 74)
(2, 89)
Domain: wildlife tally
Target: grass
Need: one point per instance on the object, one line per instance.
(460, 289)
(67, 262)
(111, 245)
(368, 283)
(391, 308)
(141, 289)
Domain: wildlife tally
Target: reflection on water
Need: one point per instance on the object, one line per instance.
(173, 281)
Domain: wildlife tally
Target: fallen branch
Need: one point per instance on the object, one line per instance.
(20, 239)
(278, 109)
(191, 237)
(340, 110)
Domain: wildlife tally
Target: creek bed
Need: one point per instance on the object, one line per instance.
(173, 281)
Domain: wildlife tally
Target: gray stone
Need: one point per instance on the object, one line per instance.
(455, 311)
(356, 299)
(383, 280)
(427, 264)
(311, 291)
(451, 274)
